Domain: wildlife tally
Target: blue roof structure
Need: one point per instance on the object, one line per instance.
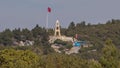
(79, 43)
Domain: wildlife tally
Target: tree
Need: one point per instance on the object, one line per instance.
(58, 41)
(71, 26)
(10, 58)
(83, 24)
(37, 31)
(26, 34)
(110, 55)
(45, 38)
(93, 64)
(6, 37)
(89, 24)
(37, 34)
(17, 34)
(69, 45)
(71, 29)
(50, 31)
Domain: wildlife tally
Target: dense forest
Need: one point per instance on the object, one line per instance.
(104, 37)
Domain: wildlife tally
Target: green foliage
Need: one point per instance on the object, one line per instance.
(47, 50)
(17, 34)
(93, 64)
(109, 59)
(26, 34)
(23, 58)
(69, 46)
(37, 31)
(58, 41)
(71, 29)
(51, 32)
(38, 35)
(105, 56)
(71, 26)
(5, 37)
(61, 48)
(10, 58)
(63, 61)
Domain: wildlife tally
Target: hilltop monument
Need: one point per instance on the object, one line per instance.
(57, 29)
(57, 34)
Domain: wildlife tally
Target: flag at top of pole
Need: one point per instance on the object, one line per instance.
(49, 9)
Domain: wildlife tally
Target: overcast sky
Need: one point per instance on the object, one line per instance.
(28, 13)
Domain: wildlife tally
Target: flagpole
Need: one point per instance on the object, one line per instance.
(47, 22)
(49, 10)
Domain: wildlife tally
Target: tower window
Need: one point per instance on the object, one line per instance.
(57, 28)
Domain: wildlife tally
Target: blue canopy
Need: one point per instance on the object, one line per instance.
(79, 43)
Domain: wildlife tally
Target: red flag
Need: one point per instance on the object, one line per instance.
(76, 36)
(49, 9)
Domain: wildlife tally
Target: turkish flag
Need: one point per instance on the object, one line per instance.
(49, 9)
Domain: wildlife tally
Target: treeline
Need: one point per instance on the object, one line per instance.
(37, 34)
(105, 54)
(95, 34)
(30, 58)
(9, 38)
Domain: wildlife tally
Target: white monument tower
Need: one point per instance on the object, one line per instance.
(57, 29)
(57, 34)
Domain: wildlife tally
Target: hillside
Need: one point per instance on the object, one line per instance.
(96, 34)
(105, 52)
